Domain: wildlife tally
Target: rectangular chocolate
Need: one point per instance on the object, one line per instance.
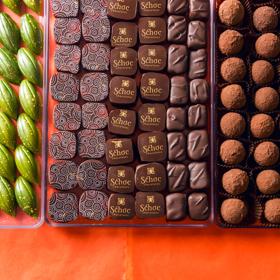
(150, 177)
(178, 175)
(177, 59)
(152, 7)
(196, 34)
(199, 178)
(176, 119)
(198, 206)
(179, 90)
(121, 206)
(199, 91)
(176, 206)
(199, 9)
(177, 7)
(120, 179)
(197, 116)
(176, 146)
(149, 205)
(176, 29)
(124, 34)
(198, 64)
(122, 9)
(198, 146)
(152, 30)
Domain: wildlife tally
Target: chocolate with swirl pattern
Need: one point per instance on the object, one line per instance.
(93, 6)
(94, 115)
(65, 8)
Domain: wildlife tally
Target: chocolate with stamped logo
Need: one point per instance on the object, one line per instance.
(124, 34)
(122, 9)
(152, 7)
(121, 206)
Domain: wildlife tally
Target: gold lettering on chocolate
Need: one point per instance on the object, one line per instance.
(150, 6)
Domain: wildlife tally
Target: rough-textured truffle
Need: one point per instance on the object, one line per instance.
(266, 153)
(262, 72)
(233, 69)
(266, 99)
(233, 97)
(262, 125)
(268, 182)
(233, 211)
(232, 124)
(272, 210)
(232, 152)
(235, 181)
(231, 12)
(268, 45)
(265, 19)
(231, 42)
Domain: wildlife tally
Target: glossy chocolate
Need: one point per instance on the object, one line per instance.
(198, 64)
(121, 206)
(176, 29)
(119, 151)
(199, 91)
(152, 30)
(152, 57)
(154, 86)
(123, 61)
(152, 7)
(196, 34)
(151, 117)
(124, 34)
(199, 177)
(177, 7)
(177, 59)
(176, 119)
(149, 205)
(178, 175)
(176, 206)
(199, 9)
(122, 122)
(123, 90)
(120, 179)
(150, 177)
(198, 146)
(178, 90)
(197, 116)
(122, 9)
(198, 206)
(176, 146)
(152, 146)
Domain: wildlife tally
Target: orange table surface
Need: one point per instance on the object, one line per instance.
(134, 254)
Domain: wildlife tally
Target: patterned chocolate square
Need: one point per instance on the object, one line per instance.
(65, 8)
(94, 115)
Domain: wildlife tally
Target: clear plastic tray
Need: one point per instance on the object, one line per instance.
(135, 222)
(22, 220)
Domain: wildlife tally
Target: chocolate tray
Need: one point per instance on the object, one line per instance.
(135, 221)
(22, 220)
(253, 198)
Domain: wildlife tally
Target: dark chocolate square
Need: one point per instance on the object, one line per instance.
(177, 59)
(94, 86)
(176, 119)
(198, 145)
(121, 206)
(198, 206)
(95, 27)
(96, 57)
(176, 146)
(67, 58)
(65, 8)
(91, 143)
(199, 9)
(179, 90)
(199, 91)
(93, 6)
(199, 178)
(124, 34)
(152, 7)
(124, 10)
(176, 206)
(178, 175)
(176, 29)
(177, 7)
(94, 115)
(198, 64)
(67, 30)
(67, 116)
(197, 116)
(196, 34)
(64, 87)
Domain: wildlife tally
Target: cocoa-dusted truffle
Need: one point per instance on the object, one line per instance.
(262, 72)
(231, 42)
(266, 99)
(265, 19)
(262, 126)
(235, 181)
(272, 210)
(231, 12)
(266, 153)
(232, 124)
(233, 97)
(268, 182)
(268, 45)
(233, 69)
(233, 211)
(232, 152)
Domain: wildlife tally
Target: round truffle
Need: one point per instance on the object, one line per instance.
(233, 97)
(266, 99)
(231, 42)
(262, 126)
(232, 125)
(232, 152)
(266, 153)
(268, 182)
(233, 211)
(235, 181)
(233, 69)
(265, 19)
(268, 45)
(262, 72)
(231, 12)
(272, 210)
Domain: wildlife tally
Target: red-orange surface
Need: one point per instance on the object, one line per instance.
(130, 254)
